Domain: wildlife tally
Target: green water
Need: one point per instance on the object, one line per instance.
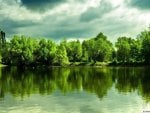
(75, 90)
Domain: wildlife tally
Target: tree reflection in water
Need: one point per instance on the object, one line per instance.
(24, 82)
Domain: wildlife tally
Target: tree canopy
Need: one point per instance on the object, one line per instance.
(23, 50)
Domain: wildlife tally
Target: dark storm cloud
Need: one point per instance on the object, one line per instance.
(141, 4)
(97, 12)
(10, 26)
(66, 33)
(22, 17)
(41, 5)
(66, 28)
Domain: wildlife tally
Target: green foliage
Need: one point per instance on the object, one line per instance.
(128, 50)
(6, 54)
(61, 56)
(97, 49)
(22, 51)
(123, 49)
(134, 50)
(145, 38)
(74, 51)
(45, 52)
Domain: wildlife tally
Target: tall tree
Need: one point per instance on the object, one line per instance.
(45, 52)
(98, 48)
(135, 51)
(74, 51)
(19, 51)
(123, 49)
(145, 38)
(60, 55)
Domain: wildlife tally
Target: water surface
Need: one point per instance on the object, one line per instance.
(75, 90)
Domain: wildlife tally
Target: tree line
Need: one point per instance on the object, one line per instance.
(27, 51)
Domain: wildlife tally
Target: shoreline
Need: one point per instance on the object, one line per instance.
(82, 64)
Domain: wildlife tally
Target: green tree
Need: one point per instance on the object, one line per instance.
(145, 38)
(85, 55)
(98, 48)
(123, 49)
(128, 50)
(45, 52)
(21, 50)
(88, 49)
(135, 51)
(74, 51)
(6, 54)
(60, 56)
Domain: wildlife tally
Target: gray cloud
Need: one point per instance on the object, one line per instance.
(67, 28)
(73, 33)
(41, 5)
(111, 20)
(10, 26)
(96, 12)
(141, 4)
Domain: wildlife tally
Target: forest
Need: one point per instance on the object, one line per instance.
(28, 51)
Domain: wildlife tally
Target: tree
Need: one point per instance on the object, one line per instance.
(128, 50)
(97, 49)
(6, 55)
(19, 51)
(103, 50)
(145, 38)
(74, 51)
(60, 56)
(23, 50)
(123, 49)
(88, 50)
(135, 51)
(85, 55)
(44, 53)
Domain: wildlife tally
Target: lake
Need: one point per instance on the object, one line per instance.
(75, 90)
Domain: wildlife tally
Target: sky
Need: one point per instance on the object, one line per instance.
(74, 19)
